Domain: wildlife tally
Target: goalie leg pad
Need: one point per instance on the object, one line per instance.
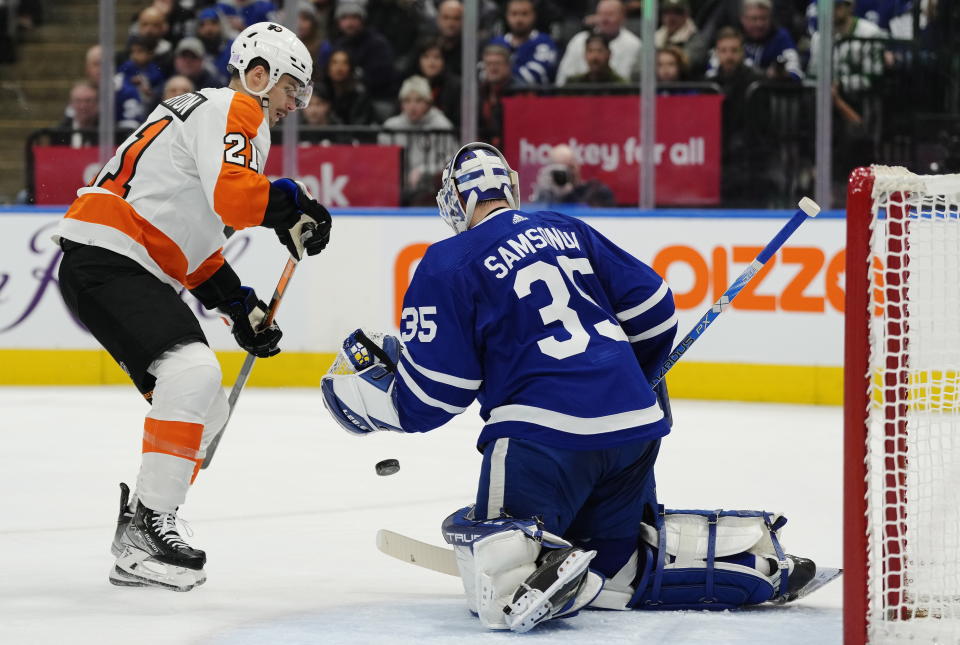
(697, 559)
(515, 575)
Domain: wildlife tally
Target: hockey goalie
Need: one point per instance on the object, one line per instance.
(557, 332)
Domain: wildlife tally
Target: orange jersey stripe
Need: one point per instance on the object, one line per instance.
(97, 208)
(205, 270)
(177, 438)
(241, 193)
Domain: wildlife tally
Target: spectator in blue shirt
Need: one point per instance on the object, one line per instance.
(140, 71)
(215, 43)
(768, 47)
(533, 54)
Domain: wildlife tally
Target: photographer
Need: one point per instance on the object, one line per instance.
(559, 182)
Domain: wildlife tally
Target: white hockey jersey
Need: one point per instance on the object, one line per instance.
(194, 166)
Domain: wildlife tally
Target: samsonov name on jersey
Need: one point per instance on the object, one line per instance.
(526, 243)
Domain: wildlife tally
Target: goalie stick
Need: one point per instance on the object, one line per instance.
(444, 560)
(244, 374)
(808, 208)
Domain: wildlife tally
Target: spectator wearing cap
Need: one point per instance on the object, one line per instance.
(128, 107)
(368, 49)
(81, 118)
(240, 14)
(425, 153)
(444, 84)
(768, 47)
(177, 85)
(347, 95)
(140, 71)
(216, 45)
(188, 60)
(495, 81)
(533, 54)
(624, 45)
(676, 26)
(597, 56)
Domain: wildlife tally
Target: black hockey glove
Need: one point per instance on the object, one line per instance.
(247, 313)
(301, 222)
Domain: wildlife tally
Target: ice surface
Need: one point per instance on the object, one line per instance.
(289, 509)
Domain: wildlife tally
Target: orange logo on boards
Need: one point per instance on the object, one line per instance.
(712, 276)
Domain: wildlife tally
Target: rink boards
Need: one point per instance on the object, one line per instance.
(782, 340)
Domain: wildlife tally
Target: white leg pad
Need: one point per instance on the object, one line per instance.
(502, 562)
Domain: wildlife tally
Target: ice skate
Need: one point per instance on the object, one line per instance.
(805, 578)
(150, 551)
(560, 586)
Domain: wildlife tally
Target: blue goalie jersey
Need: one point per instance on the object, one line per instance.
(553, 328)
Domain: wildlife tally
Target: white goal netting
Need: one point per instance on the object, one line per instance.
(913, 427)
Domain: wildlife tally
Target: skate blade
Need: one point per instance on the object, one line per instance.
(131, 570)
(122, 578)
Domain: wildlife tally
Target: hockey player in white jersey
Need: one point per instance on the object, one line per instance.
(152, 223)
(558, 333)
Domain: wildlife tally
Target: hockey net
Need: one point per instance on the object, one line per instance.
(902, 408)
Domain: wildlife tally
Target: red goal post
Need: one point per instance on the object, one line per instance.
(902, 408)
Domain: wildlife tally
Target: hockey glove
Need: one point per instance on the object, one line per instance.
(247, 313)
(304, 225)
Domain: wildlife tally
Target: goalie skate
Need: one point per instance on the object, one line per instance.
(560, 586)
(150, 551)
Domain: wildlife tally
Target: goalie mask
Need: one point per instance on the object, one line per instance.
(478, 172)
(282, 50)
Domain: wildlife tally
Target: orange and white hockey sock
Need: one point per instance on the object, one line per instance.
(187, 390)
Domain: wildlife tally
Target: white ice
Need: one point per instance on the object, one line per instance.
(288, 512)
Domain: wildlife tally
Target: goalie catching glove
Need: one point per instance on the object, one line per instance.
(247, 313)
(301, 222)
(358, 390)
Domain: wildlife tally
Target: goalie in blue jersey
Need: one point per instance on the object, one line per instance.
(557, 332)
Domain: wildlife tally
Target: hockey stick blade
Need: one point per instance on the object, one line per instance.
(421, 554)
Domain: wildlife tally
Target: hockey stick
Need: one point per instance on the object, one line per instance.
(244, 375)
(444, 560)
(421, 554)
(808, 208)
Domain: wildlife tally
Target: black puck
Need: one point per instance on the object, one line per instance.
(388, 467)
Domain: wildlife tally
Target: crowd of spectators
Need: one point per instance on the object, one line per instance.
(397, 64)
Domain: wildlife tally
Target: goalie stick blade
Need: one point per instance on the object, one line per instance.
(823, 577)
(421, 554)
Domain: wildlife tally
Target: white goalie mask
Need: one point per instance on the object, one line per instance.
(284, 53)
(477, 172)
